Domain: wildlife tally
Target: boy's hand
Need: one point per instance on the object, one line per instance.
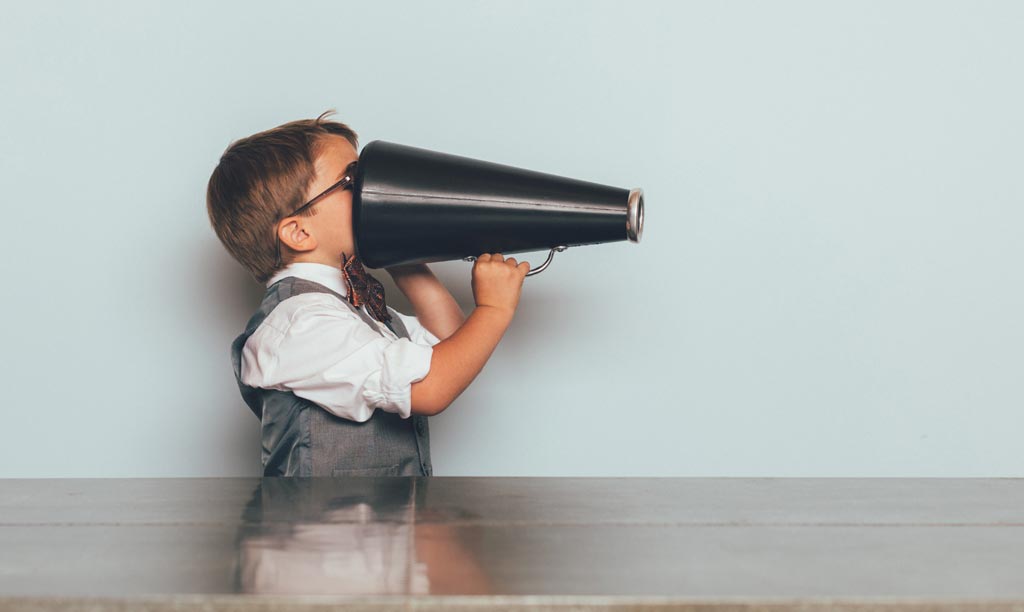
(497, 282)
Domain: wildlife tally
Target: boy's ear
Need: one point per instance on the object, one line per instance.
(294, 235)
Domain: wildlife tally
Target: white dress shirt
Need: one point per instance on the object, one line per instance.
(314, 346)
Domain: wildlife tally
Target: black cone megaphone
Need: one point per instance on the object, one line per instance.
(412, 205)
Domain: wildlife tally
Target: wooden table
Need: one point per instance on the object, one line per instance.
(510, 543)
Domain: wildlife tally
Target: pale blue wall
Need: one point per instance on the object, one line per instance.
(829, 282)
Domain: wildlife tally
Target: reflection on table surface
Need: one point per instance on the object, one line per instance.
(358, 536)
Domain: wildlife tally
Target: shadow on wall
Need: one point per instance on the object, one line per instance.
(235, 294)
(232, 296)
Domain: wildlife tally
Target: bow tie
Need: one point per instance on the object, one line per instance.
(364, 288)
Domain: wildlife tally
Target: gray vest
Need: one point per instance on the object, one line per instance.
(301, 438)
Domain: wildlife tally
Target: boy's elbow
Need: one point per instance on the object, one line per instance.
(428, 408)
(425, 400)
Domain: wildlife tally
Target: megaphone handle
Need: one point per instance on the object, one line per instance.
(538, 269)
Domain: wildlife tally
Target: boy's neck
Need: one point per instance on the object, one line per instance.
(320, 259)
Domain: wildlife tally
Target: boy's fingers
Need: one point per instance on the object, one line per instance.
(511, 261)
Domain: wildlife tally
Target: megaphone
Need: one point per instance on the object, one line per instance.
(413, 205)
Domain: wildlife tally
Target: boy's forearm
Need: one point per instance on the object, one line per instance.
(434, 305)
(457, 360)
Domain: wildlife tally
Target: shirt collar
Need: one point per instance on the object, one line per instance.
(328, 276)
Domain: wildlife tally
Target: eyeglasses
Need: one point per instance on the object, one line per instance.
(345, 183)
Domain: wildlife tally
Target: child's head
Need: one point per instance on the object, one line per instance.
(260, 182)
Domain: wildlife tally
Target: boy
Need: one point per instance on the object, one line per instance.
(342, 383)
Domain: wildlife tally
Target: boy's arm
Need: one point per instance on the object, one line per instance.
(458, 358)
(434, 306)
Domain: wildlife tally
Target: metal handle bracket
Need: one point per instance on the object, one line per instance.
(538, 269)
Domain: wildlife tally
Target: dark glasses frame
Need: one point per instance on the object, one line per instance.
(345, 183)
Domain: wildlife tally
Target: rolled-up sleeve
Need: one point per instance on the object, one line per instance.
(323, 352)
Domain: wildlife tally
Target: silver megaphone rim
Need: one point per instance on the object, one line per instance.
(635, 215)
